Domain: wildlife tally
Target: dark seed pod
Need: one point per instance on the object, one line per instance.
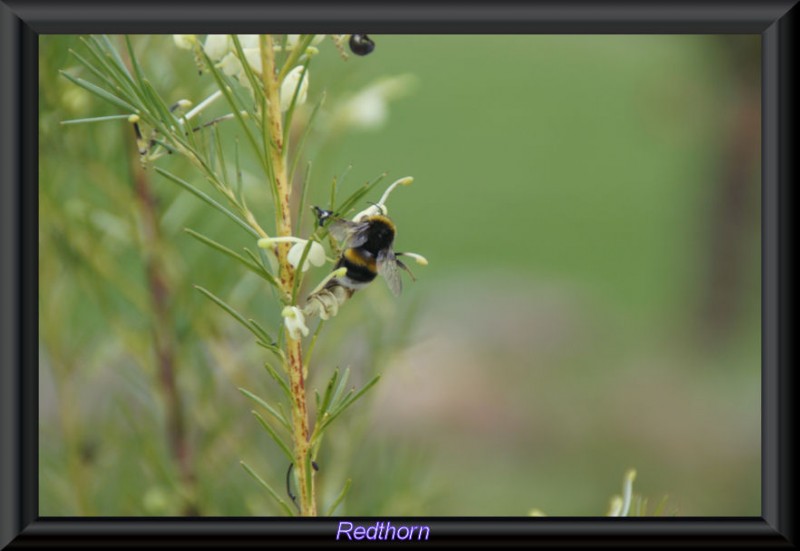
(361, 44)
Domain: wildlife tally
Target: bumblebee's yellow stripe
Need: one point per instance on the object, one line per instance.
(361, 261)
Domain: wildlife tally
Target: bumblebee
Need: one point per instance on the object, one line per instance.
(366, 253)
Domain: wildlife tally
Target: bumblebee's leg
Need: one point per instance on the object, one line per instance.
(403, 266)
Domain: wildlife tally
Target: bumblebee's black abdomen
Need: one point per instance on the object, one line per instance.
(360, 265)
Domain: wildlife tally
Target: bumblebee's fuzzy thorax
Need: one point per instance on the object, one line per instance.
(380, 234)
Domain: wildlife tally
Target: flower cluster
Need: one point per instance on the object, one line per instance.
(220, 48)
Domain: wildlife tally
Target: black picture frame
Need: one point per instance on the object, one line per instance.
(21, 23)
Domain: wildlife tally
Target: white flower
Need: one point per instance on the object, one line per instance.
(369, 108)
(316, 254)
(293, 39)
(253, 57)
(217, 45)
(184, 41)
(295, 322)
(231, 65)
(291, 83)
(248, 40)
(380, 206)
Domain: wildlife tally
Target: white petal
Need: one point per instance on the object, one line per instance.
(290, 84)
(231, 65)
(295, 322)
(248, 40)
(291, 40)
(217, 45)
(184, 41)
(253, 56)
(316, 255)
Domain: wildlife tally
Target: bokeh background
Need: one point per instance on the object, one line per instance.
(590, 206)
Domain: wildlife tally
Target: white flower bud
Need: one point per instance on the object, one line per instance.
(217, 45)
(290, 84)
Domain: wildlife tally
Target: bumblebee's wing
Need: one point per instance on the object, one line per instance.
(387, 267)
(351, 234)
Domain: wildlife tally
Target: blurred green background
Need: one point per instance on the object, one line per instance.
(590, 207)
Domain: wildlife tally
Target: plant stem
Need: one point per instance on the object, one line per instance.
(283, 223)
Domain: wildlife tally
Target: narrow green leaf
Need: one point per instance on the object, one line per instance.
(326, 400)
(220, 156)
(353, 397)
(290, 112)
(303, 190)
(280, 380)
(274, 435)
(347, 402)
(303, 42)
(351, 201)
(238, 169)
(339, 498)
(94, 70)
(332, 202)
(106, 54)
(167, 119)
(199, 194)
(267, 337)
(272, 492)
(340, 386)
(253, 267)
(111, 52)
(255, 82)
(95, 119)
(124, 83)
(96, 90)
(137, 70)
(227, 92)
(299, 275)
(271, 347)
(277, 415)
(304, 136)
(225, 306)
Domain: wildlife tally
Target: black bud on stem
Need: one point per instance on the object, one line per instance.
(361, 44)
